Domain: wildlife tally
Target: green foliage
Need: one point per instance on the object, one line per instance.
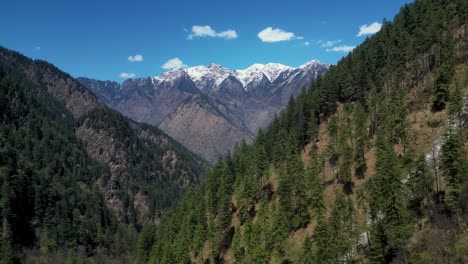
(454, 165)
(144, 170)
(360, 125)
(236, 246)
(279, 231)
(344, 226)
(345, 173)
(314, 184)
(51, 191)
(392, 225)
(145, 244)
(325, 242)
(446, 71)
(307, 256)
(46, 178)
(7, 250)
(421, 180)
(455, 109)
(393, 116)
(333, 130)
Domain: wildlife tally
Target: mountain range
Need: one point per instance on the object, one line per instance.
(221, 107)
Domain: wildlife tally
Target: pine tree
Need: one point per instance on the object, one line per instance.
(454, 165)
(387, 206)
(456, 107)
(421, 180)
(145, 243)
(300, 214)
(314, 184)
(344, 173)
(312, 128)
(261, 158)
(211, 187)
(360, 135)
(312, 105)
(236, 246)
(333, 131)
(285, 189)
(278, 230)
(7, 250)
(344, 225)
(345, 151)
(325, 242)
(446, 71)
(306, 256)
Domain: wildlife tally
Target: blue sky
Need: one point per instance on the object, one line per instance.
(96, 38)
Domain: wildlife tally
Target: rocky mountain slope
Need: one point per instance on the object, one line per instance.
(220, 106)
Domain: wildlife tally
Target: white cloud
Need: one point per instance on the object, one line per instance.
(342, 49)
(316, 42)
(202, 31)
(307, 43)
(300, 37)
(137, 57)
(270, 34)
(330, 43)
(173, 64)
(228, 34)
(207, 31)
(369, 29)
(126, 75)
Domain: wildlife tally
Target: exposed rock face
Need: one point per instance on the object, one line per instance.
(203, 128)
(102, 146)
(147, 99)
(107, 89)
(69, 92)
(209, 108)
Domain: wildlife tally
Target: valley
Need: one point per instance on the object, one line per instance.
(363, 160)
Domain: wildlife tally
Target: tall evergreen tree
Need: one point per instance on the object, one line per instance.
(360, 135)
(344, 226)
(388, 210)
(325, 242)
(454, 165)
(307, 256)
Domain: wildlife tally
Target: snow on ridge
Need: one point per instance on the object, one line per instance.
(169, 76)
(273, 70)
(256, 72)
(215, 74)
(207, 75)
(311, 63)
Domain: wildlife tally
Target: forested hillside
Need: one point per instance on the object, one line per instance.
(77, 179)
(368, 164)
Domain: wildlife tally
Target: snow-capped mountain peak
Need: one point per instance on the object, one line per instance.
(256, 71)
(169, 76)
(312, 63)
(273, 70)
(207, 76)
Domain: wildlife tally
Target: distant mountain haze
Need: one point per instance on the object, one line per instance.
(209, 108)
